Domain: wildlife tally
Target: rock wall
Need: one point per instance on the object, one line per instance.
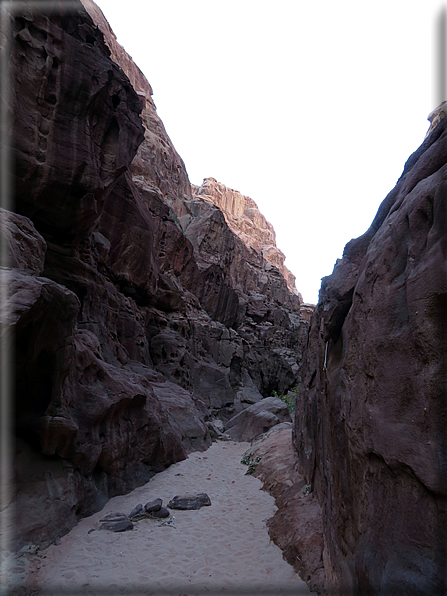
(247, 222)
(132, 332)
(371, 416)
(157, 167)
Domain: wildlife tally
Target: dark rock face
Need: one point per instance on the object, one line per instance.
(131, 330)
(190, 502)
(85, 400)
(224, 326)
(370, 420)
(257, 419)
(157, 167)
(75, 130)
(265, 332)
(25, 247)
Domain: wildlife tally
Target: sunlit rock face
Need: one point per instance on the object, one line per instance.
(139, 315)
(436, 116)
(370, 426)
(247, 222)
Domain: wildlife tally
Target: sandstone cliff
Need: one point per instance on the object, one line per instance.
(132, 333)
(247, 222)
(371, 414)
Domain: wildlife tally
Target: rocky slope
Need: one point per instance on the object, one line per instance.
(371, 414)
(132, 332)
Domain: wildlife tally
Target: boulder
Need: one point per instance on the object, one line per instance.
(153, 506)
(257, 419)
(189, 502)
(136, 511)
(117, 526)
(161, 513)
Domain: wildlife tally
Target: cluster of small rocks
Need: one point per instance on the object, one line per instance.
(153, 509)
(120, 522)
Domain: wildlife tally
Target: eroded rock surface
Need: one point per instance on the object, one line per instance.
(370, 420)
(247, 222)
(133, 330)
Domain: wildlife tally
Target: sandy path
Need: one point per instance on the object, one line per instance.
(222, 549)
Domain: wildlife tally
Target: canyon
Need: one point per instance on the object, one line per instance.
(143, 321)
(147, 313)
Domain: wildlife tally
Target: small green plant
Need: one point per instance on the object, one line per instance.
(246, 459)
(306, 490)
(251, 462)
(288, 399)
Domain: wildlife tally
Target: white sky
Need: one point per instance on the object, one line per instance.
(309, 108)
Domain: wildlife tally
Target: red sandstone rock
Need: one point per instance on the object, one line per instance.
(297, 525)
(370, 419)
(157, 166)
(247, 222)
(141, 328)
(306, 311)
(75, 130)
(221, 273)
(436, 116)
(257, 419)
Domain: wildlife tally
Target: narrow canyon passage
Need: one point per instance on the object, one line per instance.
(224, 548)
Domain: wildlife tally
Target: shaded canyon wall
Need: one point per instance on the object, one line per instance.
(370, 426)
(139, 315)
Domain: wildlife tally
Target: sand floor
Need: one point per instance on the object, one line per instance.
(221, 549)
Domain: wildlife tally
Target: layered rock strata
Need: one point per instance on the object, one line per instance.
(132, 333)
(371, 415)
